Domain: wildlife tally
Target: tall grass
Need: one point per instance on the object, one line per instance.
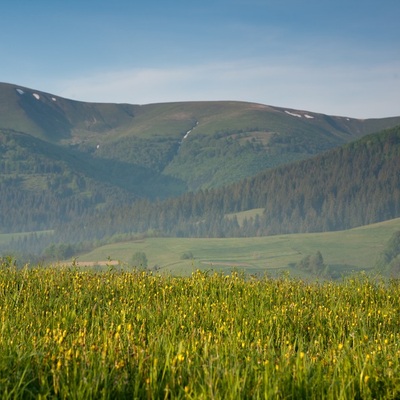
(81, 335)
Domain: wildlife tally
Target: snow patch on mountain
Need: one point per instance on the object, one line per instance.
(190, 130)
(20, 91)
(36, 96)
(299, 115)
(293, 114)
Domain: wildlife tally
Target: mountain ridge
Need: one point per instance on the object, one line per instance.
(202, 144)
(101, 117)
(77, 157)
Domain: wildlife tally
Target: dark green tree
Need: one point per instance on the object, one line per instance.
(313, 264)
(139, 260)
(389, 260)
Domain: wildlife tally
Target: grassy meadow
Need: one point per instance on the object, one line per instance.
(6, 238)
(67, 333)
(356, 249)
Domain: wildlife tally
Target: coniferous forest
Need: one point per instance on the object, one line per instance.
(350, 186)
(77, 174)
(354, 185)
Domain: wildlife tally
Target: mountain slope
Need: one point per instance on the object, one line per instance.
(204, 144)
(64, 160)
(356, 184)
(44, 184)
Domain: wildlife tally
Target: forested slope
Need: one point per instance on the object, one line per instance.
(197, 144)
(43, 184)
(354, 185)
(90, 171)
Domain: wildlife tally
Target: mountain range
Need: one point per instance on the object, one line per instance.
(73, 166)
(196, 144)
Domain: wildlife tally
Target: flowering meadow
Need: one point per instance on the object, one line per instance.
(71, 334)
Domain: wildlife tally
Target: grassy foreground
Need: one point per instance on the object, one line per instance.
(81, 335)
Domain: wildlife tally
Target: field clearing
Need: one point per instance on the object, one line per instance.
(5, 238)
(357, 248)
(67, 333)
(241, 216)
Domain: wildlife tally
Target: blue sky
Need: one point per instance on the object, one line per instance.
(338, 57)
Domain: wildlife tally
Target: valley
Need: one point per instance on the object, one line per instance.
(267, 186)
(346, 252)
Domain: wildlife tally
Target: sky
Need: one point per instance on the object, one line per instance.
(338, 57)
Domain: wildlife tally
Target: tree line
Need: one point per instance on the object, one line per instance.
(350, 186)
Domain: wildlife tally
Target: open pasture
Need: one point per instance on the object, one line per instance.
(356, 248)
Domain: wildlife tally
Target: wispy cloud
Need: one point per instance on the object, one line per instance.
(341, 90)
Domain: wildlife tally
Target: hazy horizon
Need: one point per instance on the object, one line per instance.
(336, 58)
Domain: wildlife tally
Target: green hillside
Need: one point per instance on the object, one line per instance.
(344, 251)
(202, 144)
(51, 184)
(91, 171)
(353, 185)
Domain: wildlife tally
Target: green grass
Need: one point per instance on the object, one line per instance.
(34, 182)
(358, 248)
(72, 334)
(5, 238)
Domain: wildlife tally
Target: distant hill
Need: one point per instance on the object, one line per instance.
(353, 185)
(64, 160)
(200, 144)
